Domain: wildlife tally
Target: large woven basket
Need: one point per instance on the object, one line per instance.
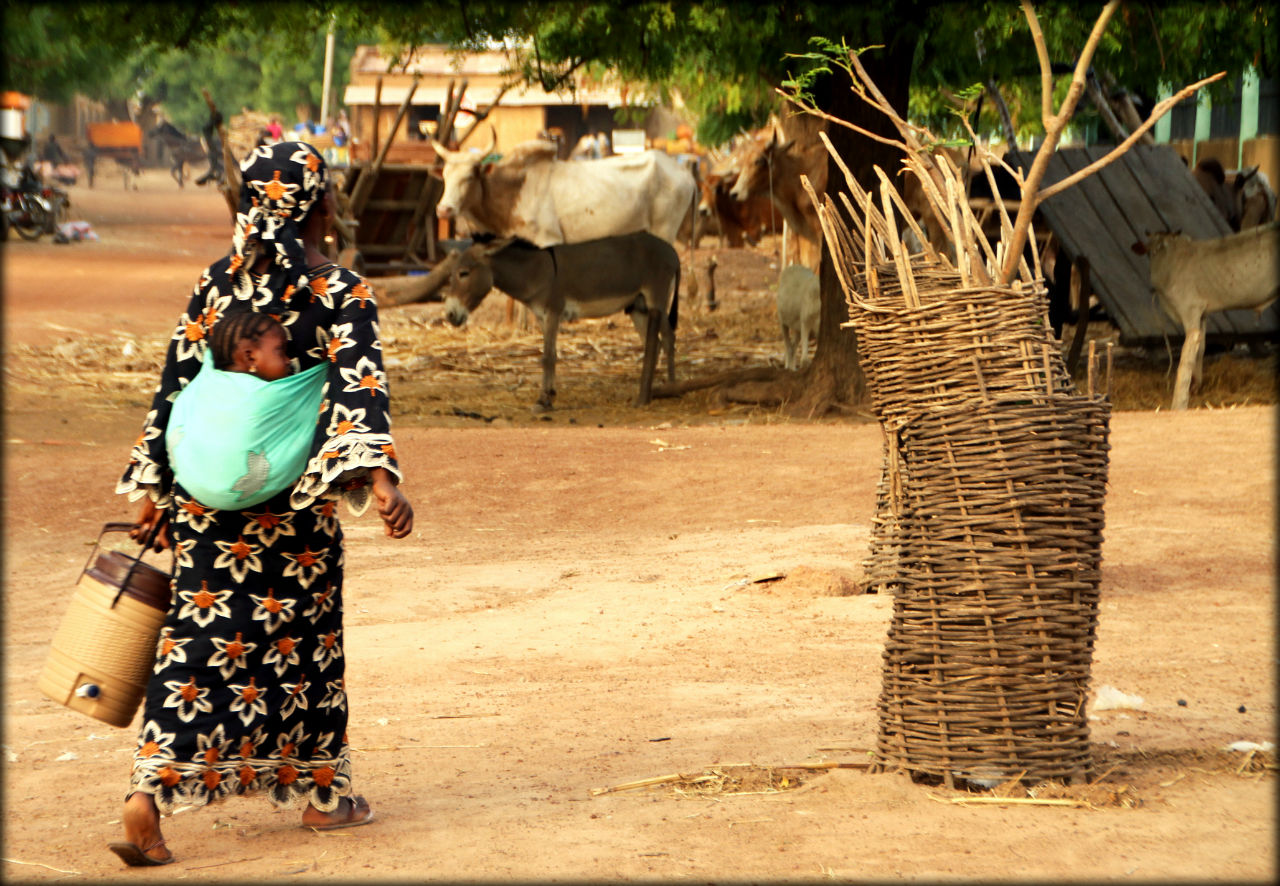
(991, 641)
(946, 348)
(956, 345)
(989, 508)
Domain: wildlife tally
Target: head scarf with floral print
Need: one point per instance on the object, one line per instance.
(281, 184)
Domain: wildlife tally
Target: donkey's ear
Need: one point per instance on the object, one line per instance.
(495, 246)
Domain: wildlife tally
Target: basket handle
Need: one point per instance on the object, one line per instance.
(146, 543)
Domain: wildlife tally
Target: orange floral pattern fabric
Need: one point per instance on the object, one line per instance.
(248, 693)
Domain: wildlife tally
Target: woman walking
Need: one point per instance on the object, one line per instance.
(247, 695)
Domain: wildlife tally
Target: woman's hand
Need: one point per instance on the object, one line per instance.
(148, 520)
(393, 507)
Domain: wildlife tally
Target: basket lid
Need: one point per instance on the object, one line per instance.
(146, 583)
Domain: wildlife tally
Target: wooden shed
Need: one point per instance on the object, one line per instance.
(375, 93)
(1148, 189)
(395, 222)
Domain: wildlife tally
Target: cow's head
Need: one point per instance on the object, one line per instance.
(712, 189)
(755, 166)
(470, 279)
(461, 176)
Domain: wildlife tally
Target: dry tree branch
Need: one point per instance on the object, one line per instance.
(941, 189)
(821, 114)
(1157, 112)
(1053, 125)
(1046, 70)
(481, 116)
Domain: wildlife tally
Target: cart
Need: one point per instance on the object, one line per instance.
(121, 142)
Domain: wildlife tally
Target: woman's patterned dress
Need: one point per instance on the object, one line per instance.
(248, 693)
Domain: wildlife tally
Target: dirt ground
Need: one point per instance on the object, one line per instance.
(580, 607)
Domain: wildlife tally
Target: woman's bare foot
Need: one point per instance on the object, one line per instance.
(144, 844)
(351, 811)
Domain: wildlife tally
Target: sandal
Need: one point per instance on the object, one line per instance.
(353, 819)
(136, 857)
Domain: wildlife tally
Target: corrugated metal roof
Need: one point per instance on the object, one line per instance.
(1147, 189)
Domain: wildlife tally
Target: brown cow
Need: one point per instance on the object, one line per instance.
(738, 222)
(772, 169)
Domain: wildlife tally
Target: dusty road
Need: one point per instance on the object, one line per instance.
(576, 610)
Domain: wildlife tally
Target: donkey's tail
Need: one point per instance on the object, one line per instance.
(673, 316)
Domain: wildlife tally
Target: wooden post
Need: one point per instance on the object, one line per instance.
(1080, 288)
(364, 185)
(377, 113)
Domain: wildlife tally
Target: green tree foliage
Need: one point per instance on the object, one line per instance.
(1146, 46)
(44, 55)
(724, 57)
(269, 57)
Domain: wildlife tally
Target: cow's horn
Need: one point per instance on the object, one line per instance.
(493, 141)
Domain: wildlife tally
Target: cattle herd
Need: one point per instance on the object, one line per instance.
(588, 239)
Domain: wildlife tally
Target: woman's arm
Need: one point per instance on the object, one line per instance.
(353, 441)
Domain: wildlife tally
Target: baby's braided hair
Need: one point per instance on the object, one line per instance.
(234, 328)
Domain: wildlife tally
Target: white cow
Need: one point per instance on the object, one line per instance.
(531, 195)
(1194, 278)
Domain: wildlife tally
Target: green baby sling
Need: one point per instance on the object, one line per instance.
(235, 440)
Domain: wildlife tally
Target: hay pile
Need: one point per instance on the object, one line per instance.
(243, 130)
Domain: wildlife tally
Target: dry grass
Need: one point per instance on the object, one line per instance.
(489, 370)
(727, 780)
(1142, 379)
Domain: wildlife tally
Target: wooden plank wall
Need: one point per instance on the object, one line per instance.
(1149, 189)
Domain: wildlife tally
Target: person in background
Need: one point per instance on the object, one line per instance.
(248, 694)
(341, 129)
(52, 152)
(213, 148)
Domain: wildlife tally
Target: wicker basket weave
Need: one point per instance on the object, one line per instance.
(955, 347)
(989, 508)
(991, 640)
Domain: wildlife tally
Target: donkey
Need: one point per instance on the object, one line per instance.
(637, 273)
(183, 149)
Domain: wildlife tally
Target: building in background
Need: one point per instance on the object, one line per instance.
(1240, 131)
(523, 112)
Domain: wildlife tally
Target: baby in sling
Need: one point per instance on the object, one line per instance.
(241, 431)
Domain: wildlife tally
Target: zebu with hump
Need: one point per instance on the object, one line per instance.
(531, 195)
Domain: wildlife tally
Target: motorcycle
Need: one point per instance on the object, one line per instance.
(32, 208)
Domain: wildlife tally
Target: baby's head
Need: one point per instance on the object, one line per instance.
(246, 341)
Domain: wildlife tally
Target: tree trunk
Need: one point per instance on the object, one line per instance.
(834, 378)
